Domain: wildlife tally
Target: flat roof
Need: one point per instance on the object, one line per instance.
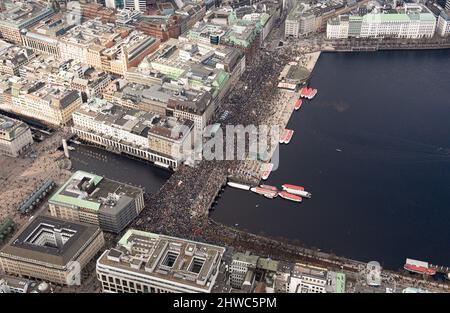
(21, 245)
(93, 192)
(181, 261)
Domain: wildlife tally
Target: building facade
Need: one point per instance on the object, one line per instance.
(112, 206)
(20, 16)
(159, 139)
(52, 250)
(50, 104)
(15, 136)
(443, 24)
(145, 262)
(411, 22)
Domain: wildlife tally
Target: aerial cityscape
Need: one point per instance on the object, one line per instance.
(224, 146)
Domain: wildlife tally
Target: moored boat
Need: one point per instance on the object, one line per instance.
(265, 192)
(289, 136)
(288, 196)
(296, 190)
(269, 187)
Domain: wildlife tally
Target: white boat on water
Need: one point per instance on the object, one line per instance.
(239, 186)
(296, 190)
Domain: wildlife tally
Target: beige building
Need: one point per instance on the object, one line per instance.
(13, 58)
(50, 104)
(52, 250)
(15, 136)
(106, 47)
(20, 15)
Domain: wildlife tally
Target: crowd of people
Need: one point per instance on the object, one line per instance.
(20, 177)
(180, 208)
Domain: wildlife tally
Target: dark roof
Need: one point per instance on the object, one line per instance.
(60, 256)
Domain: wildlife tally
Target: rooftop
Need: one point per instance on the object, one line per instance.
(88, 191)
(23, 14)
(138, 122)
(161, 257)
(14, 56)
(11, 128)
(50, 240)
(246, 257)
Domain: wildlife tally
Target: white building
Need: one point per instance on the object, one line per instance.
(50, 104)
(145, 262)
(149, 136)
(299, 22)
(137, 5)
(242, 265)
(15, 136)
(443, 24)
(307, 279)
(413, 21)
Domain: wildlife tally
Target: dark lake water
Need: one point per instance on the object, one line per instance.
(386, 195)
(118, 167)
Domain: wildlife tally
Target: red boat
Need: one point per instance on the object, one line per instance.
(298, 104)
(418, 267)
(294, 187)
(284, 135)
(289, 136)
(312, 94)
(304, 92)
(289, 196)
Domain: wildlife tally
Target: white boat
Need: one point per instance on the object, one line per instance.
(160, 164)
(239, 186)
(296, 190)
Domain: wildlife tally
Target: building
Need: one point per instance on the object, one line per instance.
(125, 17)
(135, 5)
(242, 269)
(252, 273)
(71, 74)
(91, 10)
(97, 200)
(443, 24)
(147, 262)
(12, 284)
(114, 4)
(444, 4)
(300, 22)
(43, 37)
(307, 279)
(170, 99)
(412, 21)
(373, 273)
(161, 27)
(49, 103)
(13, 58)
(52, 250)
(198, 66)
(15, 136)
(21, 15)
(107, 47)
(163, 140)
(243, 36)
